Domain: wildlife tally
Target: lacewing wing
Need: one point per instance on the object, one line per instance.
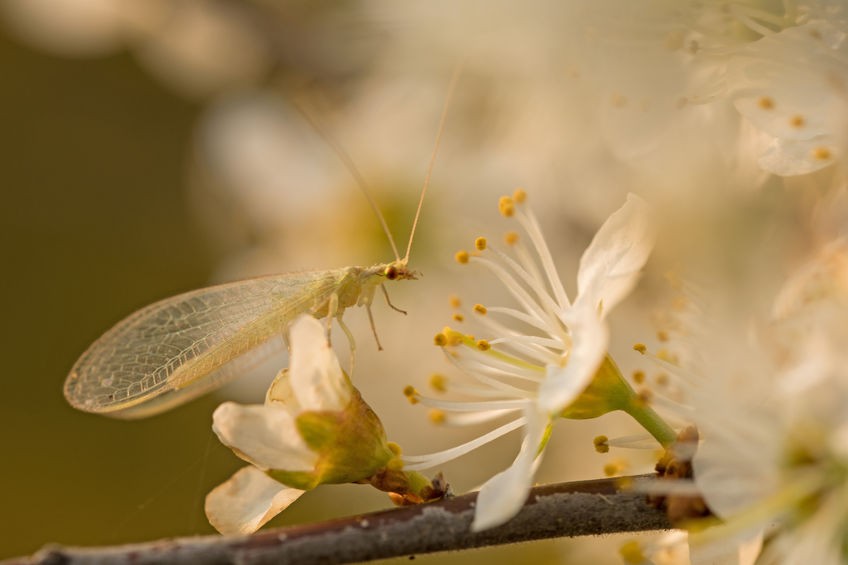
(181, 347)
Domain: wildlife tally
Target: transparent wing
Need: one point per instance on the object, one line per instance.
(179, 348)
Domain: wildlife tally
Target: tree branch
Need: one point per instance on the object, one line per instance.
(559, 510)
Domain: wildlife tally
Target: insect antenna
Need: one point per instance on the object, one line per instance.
(351, 168)
(457, 72)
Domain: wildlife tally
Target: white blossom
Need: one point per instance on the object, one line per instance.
(768, 399)
(538, 358)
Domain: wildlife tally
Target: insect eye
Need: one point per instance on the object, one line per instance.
(391, 272)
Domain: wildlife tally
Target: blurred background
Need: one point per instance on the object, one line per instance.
(155, 147)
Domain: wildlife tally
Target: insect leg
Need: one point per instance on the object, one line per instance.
(351, 341)
(374, 326)
(389, 302)
(332, 310)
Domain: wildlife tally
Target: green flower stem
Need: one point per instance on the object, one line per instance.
(638, 408)
(651, 421)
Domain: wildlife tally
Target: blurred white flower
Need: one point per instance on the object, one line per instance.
(79, 28)
(770, 409)
(199, 47)
(788, 84)
(664, 68)
(202, 47)
(672, 549)
(545, 353)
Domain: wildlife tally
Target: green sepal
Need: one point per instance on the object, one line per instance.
(609, 391)
(351, 445)
(303, 480)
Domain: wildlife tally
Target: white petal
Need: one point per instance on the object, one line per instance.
(247, 501)
(316, 376)
(564, 384)
(787, 157)
(730, 484)
(673, 549)
(504, 494)
(732, 549)
(610, 266)
(280, 392)
(263, 435)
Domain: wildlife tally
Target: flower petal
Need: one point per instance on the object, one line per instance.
(741, 548)
(316, 376)
(503, 495)
(247, 501)
(280, 393)
(264, 435)
(564, 384)
(610, 266)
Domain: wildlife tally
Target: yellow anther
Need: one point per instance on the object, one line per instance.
(644, 397)
(483, 345)
(679, 303)
(520, 195)
(511, 238)
(626, 483)
(411, 394)
(797, 121)
(506, 206)
(822, 154)
(457, 317)
(662, 379)
(394, 448)
(438, 382)
(640, 347)
(462, 257)
(662, 335)
(673, 278)
(614, 468)
(480, 243)
(440, 339)
(631, 553)
(601, 444)
(455, 302)
(667, 355)
(436, 416)
(452, 337)
(766, 103)
(638, 376)
(480, 309)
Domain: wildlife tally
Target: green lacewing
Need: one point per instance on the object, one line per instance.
(181, 347)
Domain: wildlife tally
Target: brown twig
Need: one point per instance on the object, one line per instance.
(559, 510)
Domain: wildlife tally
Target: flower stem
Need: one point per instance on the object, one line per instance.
(638, 408)
(651, 421)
